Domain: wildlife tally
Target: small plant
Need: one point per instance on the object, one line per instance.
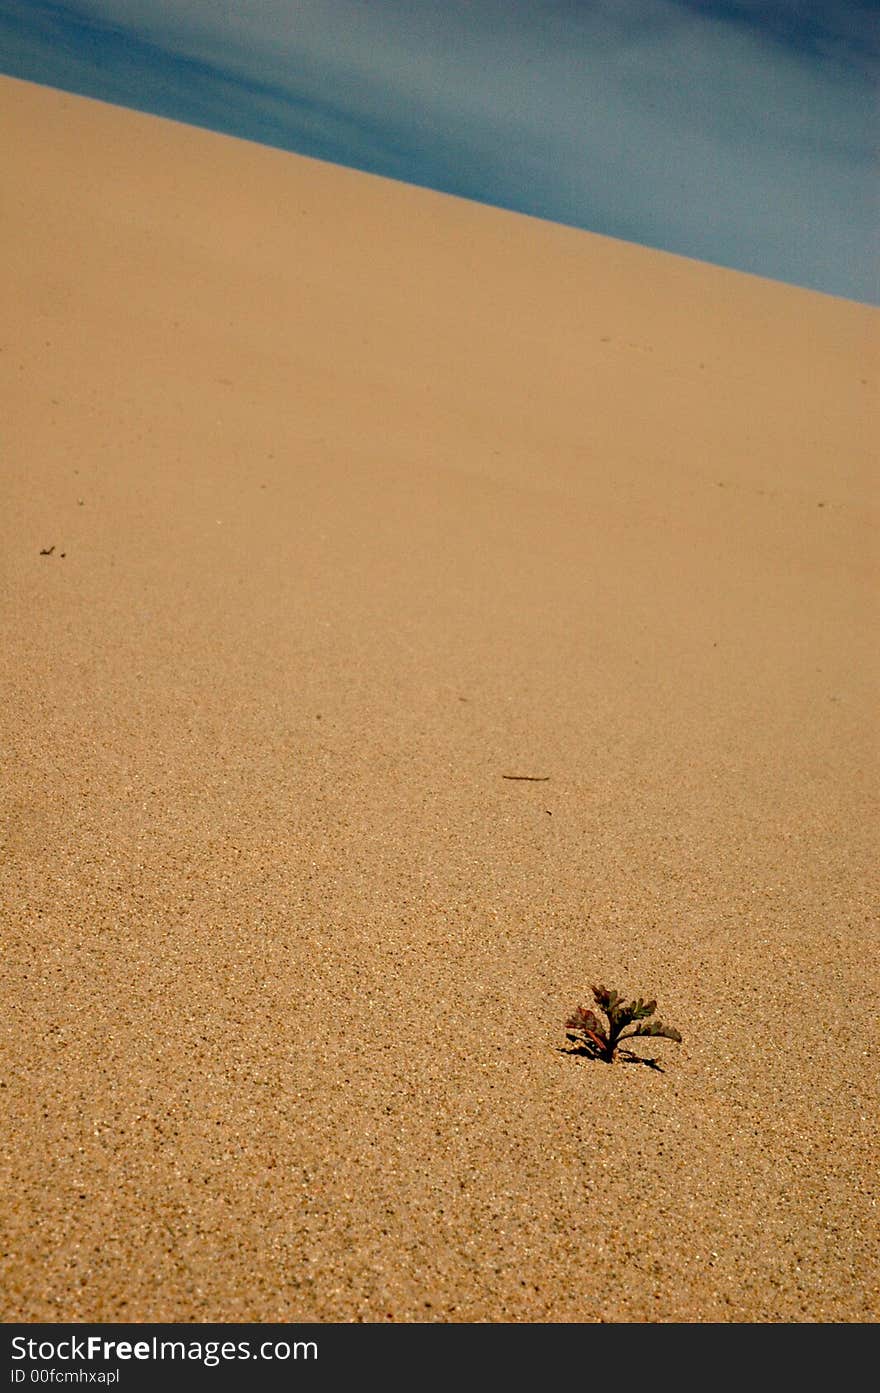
(602, 1041)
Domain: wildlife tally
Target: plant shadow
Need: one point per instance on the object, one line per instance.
(586, 1050)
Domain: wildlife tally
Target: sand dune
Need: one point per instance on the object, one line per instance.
(361, 498)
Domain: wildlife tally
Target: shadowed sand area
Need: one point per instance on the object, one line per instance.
(368, 497)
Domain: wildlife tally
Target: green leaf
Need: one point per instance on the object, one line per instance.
(667, 1032)
(639, 1009)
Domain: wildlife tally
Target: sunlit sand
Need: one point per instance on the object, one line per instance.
(329, 504)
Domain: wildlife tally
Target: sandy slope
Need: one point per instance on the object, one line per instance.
(367, 497)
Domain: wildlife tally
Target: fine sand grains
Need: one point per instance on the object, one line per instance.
(328, 503)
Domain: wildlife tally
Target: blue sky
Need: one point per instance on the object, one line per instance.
(741, 132)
